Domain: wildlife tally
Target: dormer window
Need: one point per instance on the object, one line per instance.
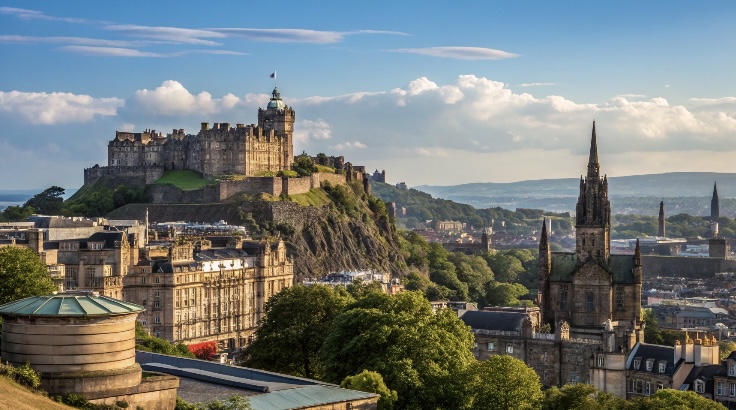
(662, 366)
(731, 369)
(650, 364)
(637, 363)
(699, 386)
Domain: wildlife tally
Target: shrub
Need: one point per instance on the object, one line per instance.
(26, 376)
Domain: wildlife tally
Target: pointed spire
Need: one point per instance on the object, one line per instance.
(543, 238)
(715, 190)
(593, 166)
(715, 212)
(662, 221)
(637, 254)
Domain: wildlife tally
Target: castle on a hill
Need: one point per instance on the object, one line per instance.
(247, 150)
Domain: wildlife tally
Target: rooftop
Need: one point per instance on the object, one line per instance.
(69, 304)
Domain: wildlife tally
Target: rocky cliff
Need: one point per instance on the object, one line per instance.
(348, 233)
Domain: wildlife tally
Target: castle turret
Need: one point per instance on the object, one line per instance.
(715, 212)
(662, 221)
(593, 211)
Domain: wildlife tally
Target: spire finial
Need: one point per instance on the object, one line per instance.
(543, 238)
(593, 166)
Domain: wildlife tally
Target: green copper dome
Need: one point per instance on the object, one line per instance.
(69, 304)
(276, 100)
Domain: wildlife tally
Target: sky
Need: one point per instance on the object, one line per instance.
(436, 93)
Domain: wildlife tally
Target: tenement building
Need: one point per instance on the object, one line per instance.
(195, 293)
(588, 309)
(221, 149)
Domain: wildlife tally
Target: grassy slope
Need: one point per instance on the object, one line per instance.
(314, 197)
(186, 180)
(14, 396)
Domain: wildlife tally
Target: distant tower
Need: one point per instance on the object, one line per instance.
(593, 211)
(544, 269)
(715, 213)
(662, 220)
(485, 240)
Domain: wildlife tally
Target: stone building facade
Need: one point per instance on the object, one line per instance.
(195, 293)
(243, 149)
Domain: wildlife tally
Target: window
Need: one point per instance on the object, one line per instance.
(491, 346)
(662, 366)
(156, 305)
(157, 279)
(699, 386)
(589, 302)
(660, 386)
(563, 298)
(650, 364)
(647, 388)
(637, 363)
(619, 297)
(719, 389)
(144, 302)
(510, 349)
(732, 369)
(157, 319)
(732, 389)
(601, 360)
(157, 294)
(143, 280)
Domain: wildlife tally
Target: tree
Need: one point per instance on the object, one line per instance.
(297, 320)
(22, 274)
(372, 382)
(48, 202)
(580, 396)
(420, 354)
(303, 165)
(652, 333)
(670, 399)
(504, 294)
(504, 266)
(16, 213)
(725, 348)
(148, 343)
(504, 383)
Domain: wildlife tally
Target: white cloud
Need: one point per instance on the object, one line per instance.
(171, 98)
(129, 52)
(173, 34)
(26, 14)
(460, 53)
(56, 108)
(349, 145)
(305, 130)
(71, 40)
(536, 84)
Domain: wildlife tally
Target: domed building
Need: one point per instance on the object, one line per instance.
(82, 343)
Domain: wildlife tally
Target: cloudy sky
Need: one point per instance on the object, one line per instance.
(434, 94)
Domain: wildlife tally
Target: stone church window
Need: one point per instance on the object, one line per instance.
(589, 302)
(619, 297)
(563, 297)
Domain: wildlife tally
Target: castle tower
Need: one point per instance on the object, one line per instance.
(715, 212)
(593, 211)
(279, 118)
(485, 240)
(662, 221)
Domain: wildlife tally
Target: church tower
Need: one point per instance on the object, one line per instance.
(593, 211)
(279, 118)
(662, 221)
(715, 212)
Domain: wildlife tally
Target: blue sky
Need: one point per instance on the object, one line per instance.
(434, 93)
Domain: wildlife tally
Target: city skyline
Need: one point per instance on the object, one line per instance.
(433, 95)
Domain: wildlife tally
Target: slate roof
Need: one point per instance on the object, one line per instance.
(69, 304)
(564, 266)
(108, 237)
(218, 254)
(306, 397)
(484, 320)
(704, 373)
(644, 352)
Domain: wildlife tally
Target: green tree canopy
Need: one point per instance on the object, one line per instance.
(22, 274)
(372, 382)
(16, 213)
(504, 383)
(303, 165)
(505, 294)
(420, 354)
(670, 399)
(580, 396)
(48, 202)
(297, 320)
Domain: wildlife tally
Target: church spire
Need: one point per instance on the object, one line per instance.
(593, 166)
(543, 239)
(714, 207)
(662, 221)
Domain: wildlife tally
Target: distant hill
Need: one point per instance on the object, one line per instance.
(683, 192)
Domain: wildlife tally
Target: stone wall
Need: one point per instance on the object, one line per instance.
(275, 186)
(157, 392)
(144, 175)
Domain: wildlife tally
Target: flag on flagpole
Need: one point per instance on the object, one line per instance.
(273, 75)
